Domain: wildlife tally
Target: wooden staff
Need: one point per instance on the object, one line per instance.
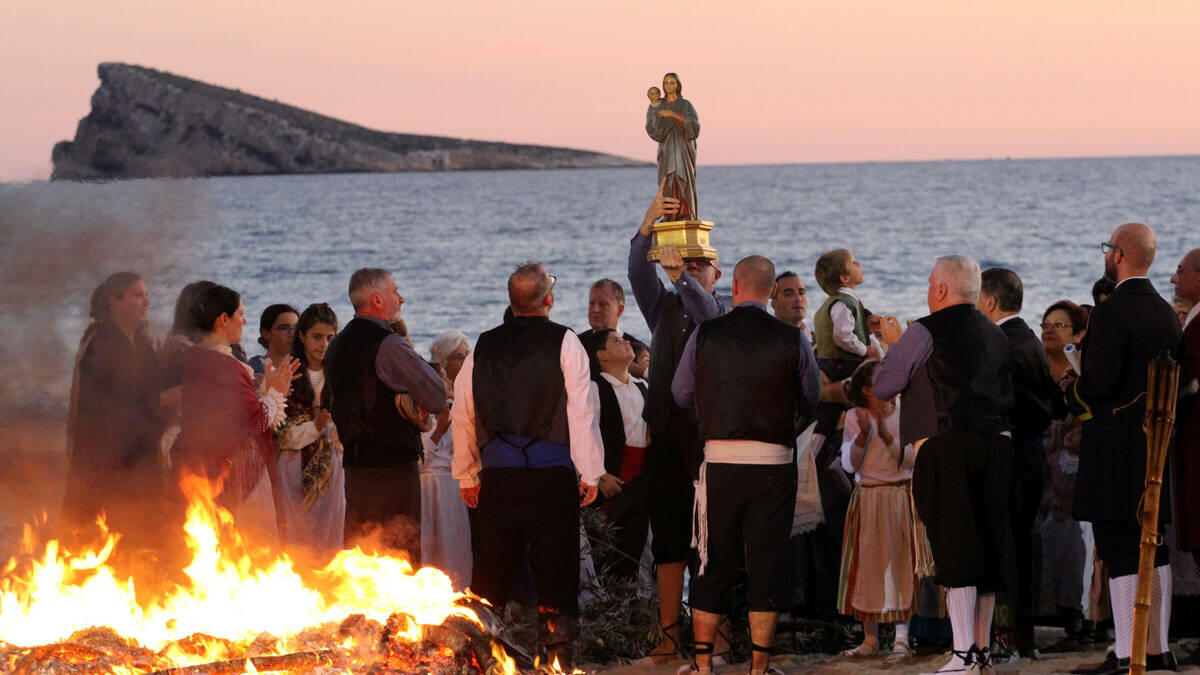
(1162, 391)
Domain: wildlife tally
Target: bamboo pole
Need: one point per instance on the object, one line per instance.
(1162, 390)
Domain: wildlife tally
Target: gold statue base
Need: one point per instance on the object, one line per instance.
(689, 236)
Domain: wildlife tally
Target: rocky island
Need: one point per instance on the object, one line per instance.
(146, 123)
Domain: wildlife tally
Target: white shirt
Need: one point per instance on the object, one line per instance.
(1191, 315)
(1127, 279)
(631, 402)
(1008, 318)
(843, 325)
(587, 450)
(879, 464)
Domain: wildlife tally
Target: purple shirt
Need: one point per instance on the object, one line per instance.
(903, 358)
(403, 370)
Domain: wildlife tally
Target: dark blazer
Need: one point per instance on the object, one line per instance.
(1126, 331)
(1187, 443)
(1033, 388)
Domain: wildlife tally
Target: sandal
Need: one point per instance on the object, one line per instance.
(769, 670)
(658, 658)
(900, 650)
(698, 648)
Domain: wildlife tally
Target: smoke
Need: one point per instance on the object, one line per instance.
(58, 241)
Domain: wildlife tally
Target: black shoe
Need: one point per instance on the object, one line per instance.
(1110, 666)
(1163, 661)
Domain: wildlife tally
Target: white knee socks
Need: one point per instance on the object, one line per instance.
(960, 603)
(984, 605)
(1160, 610)
(1123, 591)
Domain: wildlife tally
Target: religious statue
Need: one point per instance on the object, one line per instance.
(672, 121)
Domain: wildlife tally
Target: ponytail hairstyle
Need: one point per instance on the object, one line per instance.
(859, 381)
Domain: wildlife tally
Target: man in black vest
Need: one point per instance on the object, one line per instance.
(1036, 400)
(367, 366)
(954, 370)
(673, 459)
(1125, 332)
(522, 430)
(748, 374)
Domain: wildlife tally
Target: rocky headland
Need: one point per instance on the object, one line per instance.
(146, 123)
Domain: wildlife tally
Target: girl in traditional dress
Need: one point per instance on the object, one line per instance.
(312, 484)
(445, 526)
(227, 424)
(878, 555)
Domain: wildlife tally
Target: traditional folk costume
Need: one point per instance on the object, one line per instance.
(366, 366)
(748, 374)
(522, 430)
(878, 551)
(1125, 332)
(619, 405)
(113, 432)
(227, 432)
(953, 367)
(674, 455)
(841, 339)
(312, 482)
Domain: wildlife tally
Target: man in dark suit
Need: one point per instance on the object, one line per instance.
(1126, 331)
(1000, 298)
(1187, 449)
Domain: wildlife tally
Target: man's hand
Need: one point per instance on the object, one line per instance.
(470, 496)
(661, 206)
(890, 330)
(672, 262)
(588, 493)
(610, 485)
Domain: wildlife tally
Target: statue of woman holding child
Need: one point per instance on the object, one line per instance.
(672, 121)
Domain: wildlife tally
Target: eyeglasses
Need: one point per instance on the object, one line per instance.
(1056, 325)
(553, 279)
(1106, 247)
(699, 262)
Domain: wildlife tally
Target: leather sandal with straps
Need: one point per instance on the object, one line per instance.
(694, 668)
(657, 657)
(769, 670)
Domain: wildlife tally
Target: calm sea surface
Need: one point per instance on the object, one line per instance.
(452, 238)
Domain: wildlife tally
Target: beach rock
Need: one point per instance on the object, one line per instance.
(146, 123)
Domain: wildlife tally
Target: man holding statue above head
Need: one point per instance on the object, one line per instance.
(674, 455)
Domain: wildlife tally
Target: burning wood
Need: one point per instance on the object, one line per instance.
(300, 661)
(243, 610)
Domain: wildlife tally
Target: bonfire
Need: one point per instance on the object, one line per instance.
(242, 609)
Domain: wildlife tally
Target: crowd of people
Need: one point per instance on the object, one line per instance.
(957, 467)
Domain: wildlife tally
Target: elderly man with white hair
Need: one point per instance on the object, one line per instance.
(953, 368)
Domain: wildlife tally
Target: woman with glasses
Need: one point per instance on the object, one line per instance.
(1067, 545)
(276, 327)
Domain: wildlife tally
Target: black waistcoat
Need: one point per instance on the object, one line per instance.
(518, 381)
(966, 383)
(363, 407)
(671, 334)
(612, 424)
(747, 382)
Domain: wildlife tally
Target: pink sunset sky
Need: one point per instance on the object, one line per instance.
(773, 81)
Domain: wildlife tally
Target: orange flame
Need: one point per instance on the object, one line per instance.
(234, 592)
